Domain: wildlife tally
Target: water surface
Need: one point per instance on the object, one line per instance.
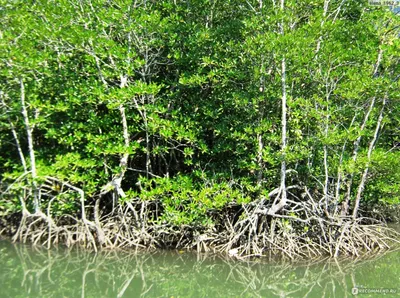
(26, 271)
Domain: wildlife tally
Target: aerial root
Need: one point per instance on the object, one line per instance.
(248, 232)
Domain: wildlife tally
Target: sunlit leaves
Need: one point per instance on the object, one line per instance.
(200, 85)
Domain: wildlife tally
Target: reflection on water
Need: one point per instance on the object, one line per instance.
(30, 272)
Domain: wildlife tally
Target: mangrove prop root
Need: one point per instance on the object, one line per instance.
(254, 233)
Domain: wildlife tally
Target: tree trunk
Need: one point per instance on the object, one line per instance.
(284, 135)
(29, 133)
(283, 194)
(345, 204)
(339, 171)
(19, 148)
(326, 5)
(260, 148)
(123, 162)
(370, 149)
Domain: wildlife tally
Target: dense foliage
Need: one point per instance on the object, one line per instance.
(198, 105)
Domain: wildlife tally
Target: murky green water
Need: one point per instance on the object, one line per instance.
(30, 272)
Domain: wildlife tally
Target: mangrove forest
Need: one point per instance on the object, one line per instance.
(244, 127)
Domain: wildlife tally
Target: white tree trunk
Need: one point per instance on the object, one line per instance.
(29, 134)
(345, 205)
(284, 135)
(260, 159)
(372, 144)
(326, 6)
(16, 138)
(123, 162)
(283, 194)
(282, 203)
(19, 148)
